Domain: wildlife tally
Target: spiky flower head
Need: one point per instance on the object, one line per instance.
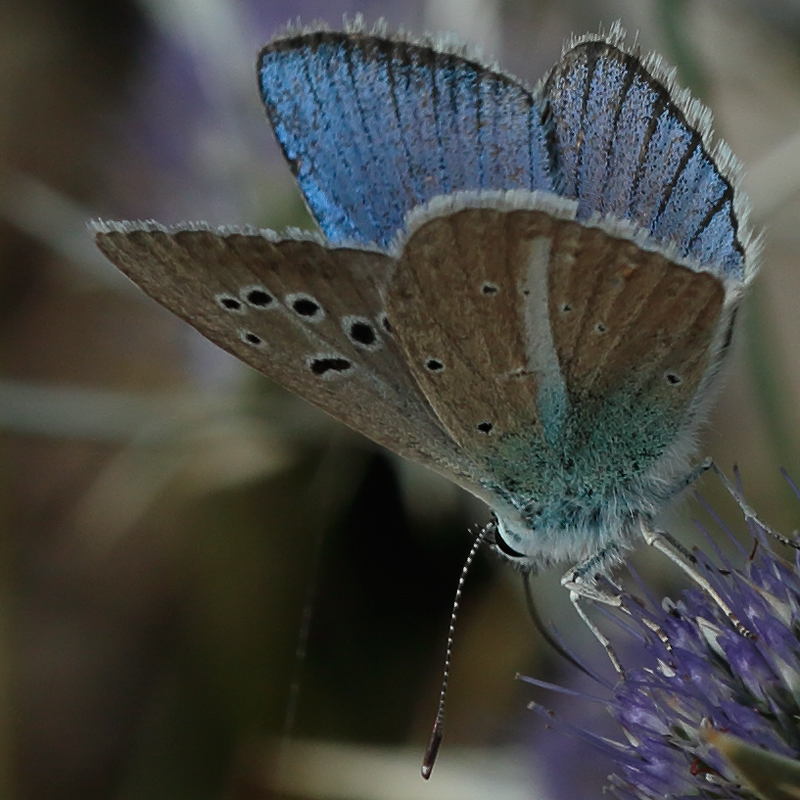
(711, 713)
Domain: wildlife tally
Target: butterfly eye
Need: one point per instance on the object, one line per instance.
(504, 547)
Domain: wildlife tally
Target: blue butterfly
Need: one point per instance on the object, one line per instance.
(531, 292)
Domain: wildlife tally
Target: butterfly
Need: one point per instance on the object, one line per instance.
(530, 291)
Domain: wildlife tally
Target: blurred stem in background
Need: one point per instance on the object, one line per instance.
(766, 371)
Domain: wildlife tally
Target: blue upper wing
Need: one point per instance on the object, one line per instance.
(625, 145)
(374, 126)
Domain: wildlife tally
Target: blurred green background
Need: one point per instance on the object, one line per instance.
(207, 588)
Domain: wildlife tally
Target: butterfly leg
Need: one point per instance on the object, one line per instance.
(665, 544)
(581, 583)
(749, 514)
(575, 599)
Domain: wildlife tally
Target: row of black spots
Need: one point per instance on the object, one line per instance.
(672, 378)
(489, 289)
(361, 332)
(256, 297)
(259, 299)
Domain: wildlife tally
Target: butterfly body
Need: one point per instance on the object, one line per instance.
(531, 292)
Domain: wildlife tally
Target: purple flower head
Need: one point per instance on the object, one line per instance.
(709, 712)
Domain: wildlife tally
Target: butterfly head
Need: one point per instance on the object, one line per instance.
(517, 538)
(569, 520)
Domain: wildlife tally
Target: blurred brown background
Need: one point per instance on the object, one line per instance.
(172, 523)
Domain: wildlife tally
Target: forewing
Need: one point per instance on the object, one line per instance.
(374, 126)
(305, 315)
(630, 144)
